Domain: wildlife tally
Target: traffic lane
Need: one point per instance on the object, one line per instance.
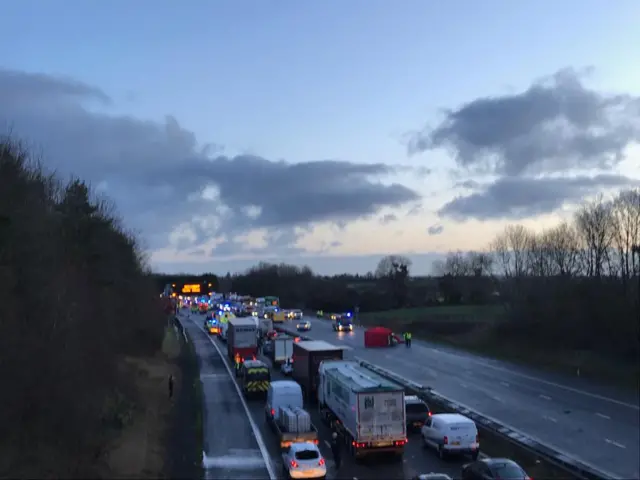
(586, 433)
(230, 448)
(610, 395)
(434, 360)
(416, 459)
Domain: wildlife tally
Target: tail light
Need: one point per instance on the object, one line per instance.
(316, 441)
(399, 443)
(321, 462)
(446, 440)
(254, 357)
(430, 413)
(294, 464)
(273, 412)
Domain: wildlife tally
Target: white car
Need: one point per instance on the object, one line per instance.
(304, 460)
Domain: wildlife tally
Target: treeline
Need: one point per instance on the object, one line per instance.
(75, 297)
(575, 286)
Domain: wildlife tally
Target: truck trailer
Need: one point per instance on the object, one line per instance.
(241, 338)
(307, 356)
(282, 349)
(368, 410)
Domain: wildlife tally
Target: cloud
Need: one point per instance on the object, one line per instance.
(162, 178)
(516, 198)
(557, 124)
(388, 218)
(435, 229)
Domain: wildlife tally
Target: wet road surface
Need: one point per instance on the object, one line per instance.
(596, 424)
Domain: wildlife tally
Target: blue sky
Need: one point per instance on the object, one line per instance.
(324, 80)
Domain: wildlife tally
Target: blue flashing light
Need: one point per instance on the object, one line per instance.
(349, 315)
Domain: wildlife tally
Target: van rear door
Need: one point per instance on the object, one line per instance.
(462, 434)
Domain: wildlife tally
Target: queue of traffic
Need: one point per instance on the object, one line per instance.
(368, 414)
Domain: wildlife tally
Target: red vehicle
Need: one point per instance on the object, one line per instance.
(380, 337)
(306, 359)
(242, 338)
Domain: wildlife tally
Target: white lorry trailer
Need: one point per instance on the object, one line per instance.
(366, 409)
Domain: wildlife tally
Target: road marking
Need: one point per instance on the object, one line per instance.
(551, 419)
(544, 397)
(505, 384)
(615, 444)
(602, 415)
(256, 432)
(326, 442)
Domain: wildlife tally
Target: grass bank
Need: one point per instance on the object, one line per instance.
(186, 442)
(473, 328)
(140, 448)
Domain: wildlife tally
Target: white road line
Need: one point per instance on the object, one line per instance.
(326, 442)
(504, 384)
(602, 415)
(256, 432)
(551, 419)
(544, 397)
(615, 444)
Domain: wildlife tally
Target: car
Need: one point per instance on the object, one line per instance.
(451, 434)
(304, 326)
(418, 412)
(303, 460)
(494, 468)
(296, 314)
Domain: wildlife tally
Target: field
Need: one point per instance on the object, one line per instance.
(471, 327)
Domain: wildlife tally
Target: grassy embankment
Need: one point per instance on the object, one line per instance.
(163, 436)
(472, 328)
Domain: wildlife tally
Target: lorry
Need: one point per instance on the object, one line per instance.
(241, 338)
(265, 325)
(367, 410)
(306, 359)
(282, 349)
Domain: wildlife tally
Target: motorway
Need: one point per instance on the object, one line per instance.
(231, 450)
(598, 425)
(416, 459)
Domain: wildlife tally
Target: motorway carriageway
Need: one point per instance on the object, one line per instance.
(229, 423)
(596, 424)
(231, 451)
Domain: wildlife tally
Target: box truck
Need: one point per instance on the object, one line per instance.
(368, 410)
(307, 356)
(241, 338)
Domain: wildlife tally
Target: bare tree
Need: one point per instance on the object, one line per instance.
(510, 249)
(563, 248)
(626, 230)
(595, 224)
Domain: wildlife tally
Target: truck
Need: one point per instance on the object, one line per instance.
(241, 338)
(367, 409)
(306, 359)
(282, 349)
(265, 325)
(285, 414)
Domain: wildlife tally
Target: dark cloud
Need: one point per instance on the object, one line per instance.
(555, 125)
(388, 218)
(516, 198)
(161, 176)
(435, 229)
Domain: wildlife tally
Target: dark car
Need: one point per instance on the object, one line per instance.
(417, 412)
(490, 468)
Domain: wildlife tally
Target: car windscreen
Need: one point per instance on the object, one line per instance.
(417, 408)
(507, 471)
(307, 455)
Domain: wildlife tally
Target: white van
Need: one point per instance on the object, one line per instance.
(451, 434)
(224, 327)
(282, 393)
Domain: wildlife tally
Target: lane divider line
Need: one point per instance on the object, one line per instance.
(256, 431)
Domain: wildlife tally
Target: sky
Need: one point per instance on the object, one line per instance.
(328, 133)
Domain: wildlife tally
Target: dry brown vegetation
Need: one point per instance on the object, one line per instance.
(75, 300)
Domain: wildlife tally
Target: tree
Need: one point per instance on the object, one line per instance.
(393, 271)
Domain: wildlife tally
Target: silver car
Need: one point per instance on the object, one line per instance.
(304, 460)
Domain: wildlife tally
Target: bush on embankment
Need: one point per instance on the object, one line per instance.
(75, 297)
